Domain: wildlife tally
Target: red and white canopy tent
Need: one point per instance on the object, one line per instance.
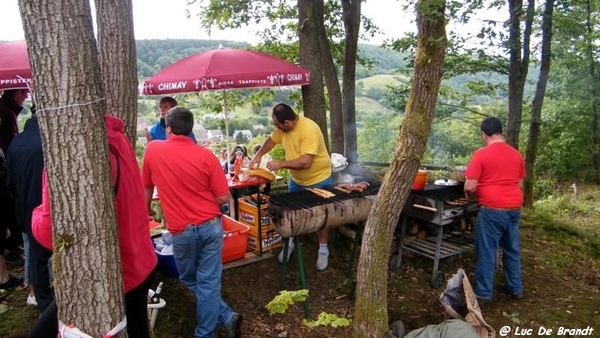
(224, 69)
(15, 72)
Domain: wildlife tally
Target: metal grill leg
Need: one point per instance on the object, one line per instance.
(301, 273)
(357, 239)
(286, 247)
(401, 241)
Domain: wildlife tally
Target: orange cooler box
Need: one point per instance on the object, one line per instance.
(235, 237)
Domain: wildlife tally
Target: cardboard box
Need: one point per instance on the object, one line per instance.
(249, 215)
(271, 240)
(248, 212)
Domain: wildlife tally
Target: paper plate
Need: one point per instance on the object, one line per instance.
(445, 182)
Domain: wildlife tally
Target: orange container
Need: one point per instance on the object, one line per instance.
(235, 238)
(420, 180)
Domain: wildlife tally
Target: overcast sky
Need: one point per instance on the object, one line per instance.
(163, 19)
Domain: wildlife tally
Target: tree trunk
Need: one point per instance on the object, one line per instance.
(371, 316)
(538, 101)
(593, 91)
(333, 89)
(87, 270)
(116, 44)
(519, 63)
(351, 14)
(310, 58)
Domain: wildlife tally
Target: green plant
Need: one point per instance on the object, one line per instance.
(285, 298)
(327, 319)
(513, 316)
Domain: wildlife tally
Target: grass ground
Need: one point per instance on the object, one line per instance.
(561, 271)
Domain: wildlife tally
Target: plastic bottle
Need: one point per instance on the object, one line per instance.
(155, 298)
(239, 161)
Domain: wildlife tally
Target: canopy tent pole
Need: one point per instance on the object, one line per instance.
(226, 124)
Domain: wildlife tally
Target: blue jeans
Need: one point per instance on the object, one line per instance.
(197, 252)
(293, 186)
(497, 227)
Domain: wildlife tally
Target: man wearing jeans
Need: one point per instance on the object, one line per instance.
(306, 158)
(495, 176)
(192, 187)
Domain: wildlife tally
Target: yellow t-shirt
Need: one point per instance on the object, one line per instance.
(305, 138)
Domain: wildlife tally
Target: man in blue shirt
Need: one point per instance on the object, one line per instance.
(159, 130)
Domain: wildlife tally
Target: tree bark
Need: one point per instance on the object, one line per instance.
(116, 43)
(593, 90)
(334, 91)
(538, 101)
(371, 316)
(310, 58)
(519, 65)
(351, 14)
(63, 56)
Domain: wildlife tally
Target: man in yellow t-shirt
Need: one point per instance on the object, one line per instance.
(306, 158)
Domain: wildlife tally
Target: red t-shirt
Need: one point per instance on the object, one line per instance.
(497, 169)
(188, 178)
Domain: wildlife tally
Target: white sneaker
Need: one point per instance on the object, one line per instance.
(31, 300)
(280, 256)
(322, 261)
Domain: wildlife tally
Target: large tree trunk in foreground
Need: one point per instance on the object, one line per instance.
(371, 316)
(351, 10)
(310, 57)
(87, 270)
(116, 44)
(538, 101)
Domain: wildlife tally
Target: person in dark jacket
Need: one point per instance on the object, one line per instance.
(11, 105)
(7, 215)
(25, 162)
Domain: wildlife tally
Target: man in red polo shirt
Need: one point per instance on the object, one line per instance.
(192, 187)
(495, 176)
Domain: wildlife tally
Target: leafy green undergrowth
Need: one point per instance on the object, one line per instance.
(562, 246)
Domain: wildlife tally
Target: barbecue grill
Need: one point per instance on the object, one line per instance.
(431, 205)
(303, 212)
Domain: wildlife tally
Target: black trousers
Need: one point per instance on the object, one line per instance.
(136, 310)
(39, 273)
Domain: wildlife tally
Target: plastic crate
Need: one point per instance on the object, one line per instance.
(235, 237)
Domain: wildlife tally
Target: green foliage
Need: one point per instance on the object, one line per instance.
(326, 319)
(284, 299)
(544, 188)
(514, 316)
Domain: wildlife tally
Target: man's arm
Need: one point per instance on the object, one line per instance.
(222, 199)
(470, 188)
(149, 191)
(267, 146)
(302, 162)
(522, 183)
